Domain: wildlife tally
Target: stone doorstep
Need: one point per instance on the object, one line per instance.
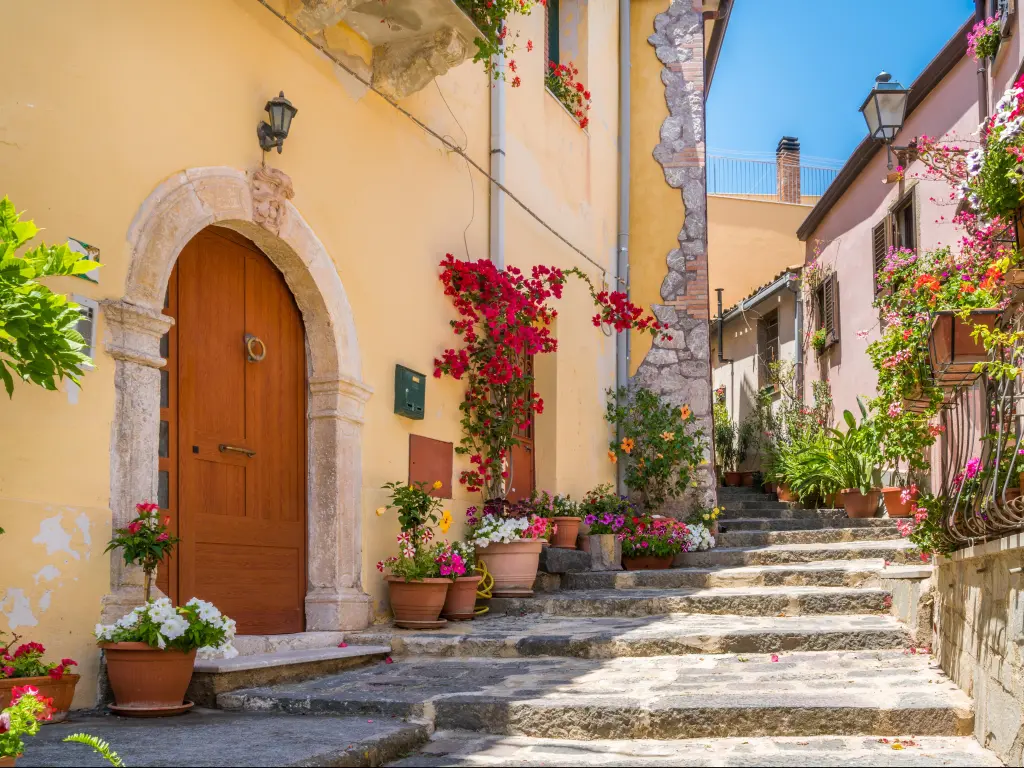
(215, 676)
(803, 694)
(782, 513)
(738, 601)
(464, 748)
(816, 536)
(209, 737)
(804, 524)
(250, 645)
(897, 551)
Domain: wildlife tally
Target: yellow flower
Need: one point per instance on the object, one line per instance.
(627, 444)
(693, 484)
(660, 456)
(707, 516)
(381, 511)
(612, 457)
(437, 485)
(667, 435)
(446, 521)
(685, 412)
(703, 462)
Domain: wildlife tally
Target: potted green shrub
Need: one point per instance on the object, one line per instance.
(651, 543)
(566, 519)
(604, 517)
(21, 718)
(457, 562)
(854, 465)
(508, 545)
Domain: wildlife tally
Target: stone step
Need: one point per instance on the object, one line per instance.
(781, 512)
(613, 637)
(465, 748)
(805, 524)
(735, 601)
(801, 694)
(814, 536)
(828, 573)
(211, 677)
(208, 737)
(897, 551)
(253, 645)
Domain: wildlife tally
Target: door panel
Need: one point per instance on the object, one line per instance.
(241, 435)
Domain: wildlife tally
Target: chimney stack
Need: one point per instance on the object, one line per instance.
(787, 169)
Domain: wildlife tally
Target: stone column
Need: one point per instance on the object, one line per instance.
(134, 343)
(334, 596)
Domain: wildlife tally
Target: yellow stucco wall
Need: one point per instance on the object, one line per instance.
(749, 243)
(656, 211)
(120, 97)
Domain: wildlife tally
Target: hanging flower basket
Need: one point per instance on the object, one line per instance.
(952, 350)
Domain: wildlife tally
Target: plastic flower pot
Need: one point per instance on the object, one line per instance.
(952, 350)
(747, 479)
(733, 479)
(415, 602)
(146, 681)
(513, 566)
(566, 530)
(859, 504)
(647, 563)
(894, 503)
(785, 494)
(460, 601)
(61, 691)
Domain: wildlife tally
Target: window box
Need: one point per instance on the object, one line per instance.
(952, 352)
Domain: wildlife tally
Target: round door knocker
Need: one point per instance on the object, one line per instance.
(251, 343)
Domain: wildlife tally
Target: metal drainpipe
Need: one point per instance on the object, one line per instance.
(622, 340)
(798, 329)
(721, 329)
(497, 216)
(979, 15)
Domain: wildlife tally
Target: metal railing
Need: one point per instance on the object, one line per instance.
(767, 180)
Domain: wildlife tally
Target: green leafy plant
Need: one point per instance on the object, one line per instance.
(560, 79)
(819, 340)
(416, 507)
(725, 438)
(28, 709)
(145, 541)
(491, 18)
(604, 511)
(420, 557)
(648, 536)
(38, 340)
(26, 660)
(99, 745)
(853, 452)
(925, 531)
(660, 445)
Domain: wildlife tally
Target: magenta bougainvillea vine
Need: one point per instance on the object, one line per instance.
(504, 320)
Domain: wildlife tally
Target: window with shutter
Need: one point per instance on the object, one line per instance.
(768, 346)
(879, 249)
(830, 308)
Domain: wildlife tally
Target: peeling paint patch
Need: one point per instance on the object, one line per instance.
(82, 521)
(44, 601)
(20, 612)
(72, 390)
(46, 573)
(53, 536)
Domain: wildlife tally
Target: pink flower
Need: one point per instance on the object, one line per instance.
(5, 722)
(863, 334)
(895, 409)
(343, 645)
(163, 536)
(8, 671)
(389, 660)
(775, 657)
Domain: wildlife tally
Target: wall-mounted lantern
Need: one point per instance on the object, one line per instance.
(884, 111)
(273, 134)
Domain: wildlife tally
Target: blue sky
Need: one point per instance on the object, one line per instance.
(803, 68)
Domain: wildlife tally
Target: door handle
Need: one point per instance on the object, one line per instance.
(225, 448)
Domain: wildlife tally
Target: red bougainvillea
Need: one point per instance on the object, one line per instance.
(504, 319)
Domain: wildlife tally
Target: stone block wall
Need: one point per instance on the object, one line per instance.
(979, 638)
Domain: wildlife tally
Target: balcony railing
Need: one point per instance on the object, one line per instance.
(767, 180)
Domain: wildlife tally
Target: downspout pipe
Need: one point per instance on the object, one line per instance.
(798, 331)
(623, 340)
(979, 16)
(721, 329)
(497, 213)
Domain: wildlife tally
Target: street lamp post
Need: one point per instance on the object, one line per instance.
(884, 111)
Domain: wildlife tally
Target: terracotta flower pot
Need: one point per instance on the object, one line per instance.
(952, 350)
(785, 494)
(747, 479)
(733, 479)
(417, 601)
(61, 691)
(859, 504)
(5, 762)
(567, 528)
(647, 563)
(145, 678)
(894, 504)
(834, 501)
(513, 566)
(460, 602)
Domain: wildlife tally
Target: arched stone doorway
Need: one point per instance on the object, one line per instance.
(256, 206)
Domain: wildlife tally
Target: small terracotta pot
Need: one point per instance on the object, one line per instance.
(747, 479)
(834, 501)
(460, 602)
(647, 563)
(1011, 493)
(147, 678)
(419, 600)
(566, 531)
(61, 691)
(785, 494)
(894, 504)
(8, 761)
(513, 566)
(769, 488)
(859, 504)
(733, 479)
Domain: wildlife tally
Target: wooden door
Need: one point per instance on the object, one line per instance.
(241, 435)
(523, 479)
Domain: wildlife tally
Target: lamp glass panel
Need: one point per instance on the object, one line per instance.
(286, 119)
(891, 106)
(276, 117)
(871, 117)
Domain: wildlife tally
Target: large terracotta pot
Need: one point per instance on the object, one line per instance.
(566, 530)
(647, 563)
(747, 479)
(513, 566)
(146, 678)
(460, 602)
(6, 762)
(894, 504)
(834, 501)
(733, 479)
(61, 691)
(952, 350)
(859, 504)
(417, 601)
(785, 494)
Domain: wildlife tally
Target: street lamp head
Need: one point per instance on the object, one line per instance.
(273, 134)
(885, 108)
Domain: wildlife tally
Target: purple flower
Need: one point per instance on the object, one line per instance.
(5, 722)
(620, 520)
(590, 519)
(643, 544)
(606, 519)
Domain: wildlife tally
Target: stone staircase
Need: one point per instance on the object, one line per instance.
(781, 646)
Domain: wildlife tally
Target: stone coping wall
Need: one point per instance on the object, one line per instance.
(979, 638)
